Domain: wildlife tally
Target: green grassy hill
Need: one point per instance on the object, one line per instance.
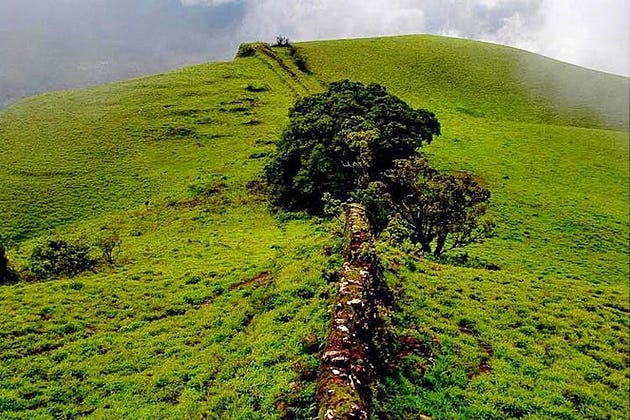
(470, 78)
(212, 298)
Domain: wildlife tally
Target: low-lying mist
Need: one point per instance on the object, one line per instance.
(58, 44)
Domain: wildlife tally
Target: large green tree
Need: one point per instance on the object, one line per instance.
(340, 141)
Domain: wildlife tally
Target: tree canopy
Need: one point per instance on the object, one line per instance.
(438, 207)
(57, 257)
(341, 140)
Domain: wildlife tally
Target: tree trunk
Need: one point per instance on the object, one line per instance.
(439, 246)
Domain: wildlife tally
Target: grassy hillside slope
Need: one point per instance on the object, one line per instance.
(560, 192)
(548, 334)
(465, 77)
(211, 295)
(113, 147)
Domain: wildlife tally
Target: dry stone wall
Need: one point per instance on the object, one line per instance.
(343, 390)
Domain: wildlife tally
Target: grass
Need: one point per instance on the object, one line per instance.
(547, 335)
(207, 307)
(461, 78)
(117, 146)
(177, 327)
(507, 344)
(204, 310)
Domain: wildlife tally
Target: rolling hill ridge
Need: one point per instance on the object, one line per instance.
(217, 307)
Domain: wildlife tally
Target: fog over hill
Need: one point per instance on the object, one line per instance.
(58, 44)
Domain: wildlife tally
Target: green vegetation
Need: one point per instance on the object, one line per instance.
(470, 80)
(213, 304)
(439, 211)
(57, 257)
(550, 329)
(208, 300)
(7, 275)
(340, 141)
(507, 344)
(109, 242)
(359, 143)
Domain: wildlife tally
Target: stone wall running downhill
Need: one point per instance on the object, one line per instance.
(343, 388)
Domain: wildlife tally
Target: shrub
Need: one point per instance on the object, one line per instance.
(246, 50)
(109, 242)
(57, 257)
(282, 41)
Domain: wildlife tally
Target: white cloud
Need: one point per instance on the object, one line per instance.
(317, 19)
(44, 42)
(589, 33)
(594, 34)
(205, 2)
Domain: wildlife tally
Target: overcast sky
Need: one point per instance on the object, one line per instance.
(56, 44)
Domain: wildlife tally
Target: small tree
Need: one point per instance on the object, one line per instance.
(442, 211)
(108, 242)
(282, 41)
(58, 257)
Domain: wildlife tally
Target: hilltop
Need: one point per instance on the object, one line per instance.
(498, 83)
(215, 305)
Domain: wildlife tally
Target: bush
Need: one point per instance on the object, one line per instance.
(282, 41)
(246, 50)
(7, 275)
(109, 242)
(57, 257)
